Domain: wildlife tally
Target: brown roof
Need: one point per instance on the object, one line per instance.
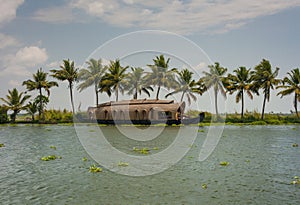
(136, 102)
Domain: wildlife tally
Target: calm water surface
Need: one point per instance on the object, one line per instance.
(262, 165)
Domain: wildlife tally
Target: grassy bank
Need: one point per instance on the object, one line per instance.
(250, 118)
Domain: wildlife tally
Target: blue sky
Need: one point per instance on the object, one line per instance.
(235, 33)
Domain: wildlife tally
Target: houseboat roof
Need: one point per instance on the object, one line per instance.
(137, 102)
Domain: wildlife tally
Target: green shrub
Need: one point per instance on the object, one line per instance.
(274, 122)
(260, 122)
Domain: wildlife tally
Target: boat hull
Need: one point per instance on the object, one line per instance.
(187, 121)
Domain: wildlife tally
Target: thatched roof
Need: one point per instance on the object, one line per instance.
(137, 102)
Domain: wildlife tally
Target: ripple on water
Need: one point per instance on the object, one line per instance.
(262, 164)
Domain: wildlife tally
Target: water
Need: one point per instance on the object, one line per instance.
(262, 165)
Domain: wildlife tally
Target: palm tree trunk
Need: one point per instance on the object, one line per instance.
(41, 104)
(295, 105)
(71, 96)
(157, 94)
(263, 108)
(13, 117)
(117, 93)
(181, 99)
(216, 103)
(242, 113)
(97, 97)
(136, 92)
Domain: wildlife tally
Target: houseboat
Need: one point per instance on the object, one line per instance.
(142, 111)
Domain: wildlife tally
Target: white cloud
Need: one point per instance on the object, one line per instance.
(14, 83)
(54, 65)
(8, 10)
(31, 56)
(62, 14)
(7, 41)
(180, 16)
(25, 58)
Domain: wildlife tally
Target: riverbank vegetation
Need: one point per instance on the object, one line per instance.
(118, 79)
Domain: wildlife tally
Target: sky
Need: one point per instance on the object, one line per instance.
(35, 33)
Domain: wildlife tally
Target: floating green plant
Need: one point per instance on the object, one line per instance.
(84, 159)
(2, 145)
(204, 186)
(144, 150)
(50, 157)
(295, 145)
(123, 164)
(296, 180)
(155, 148)
(91, 130)
(53, 147)
(224, 163)
(94, 169)
(200, 130)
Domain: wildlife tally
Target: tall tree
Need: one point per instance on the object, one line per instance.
(135, 83)
(186, 85)
(92, 75)
(40, 82)
(69, 73)
(215, 79)
(32, 108)
(264, 78)
(15, 101)
(291, 84)
(160, 76)
(241, 83)
(114, 78)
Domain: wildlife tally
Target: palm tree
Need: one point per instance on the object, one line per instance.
(215, 79)
(32, 108)
(92, 76)
(40, 82)
(135, 83)
(241, 83)
(113, 79)
(186, 85)
(160, 75)
(69, 73)
(291, 85)
(265, 79)
(15, 102)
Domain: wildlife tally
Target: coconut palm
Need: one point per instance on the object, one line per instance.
(264, 78)
(69, 73)
(241, 83)
(135, 83)
(15, 101)
(114, 78)
(160, 75)
(92, 76)
(215, 79)
(40, 82)
(291, 85)
(3, 113)
(32, 108)
(186, 85)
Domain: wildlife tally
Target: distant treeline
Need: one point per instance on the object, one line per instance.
(118, 79)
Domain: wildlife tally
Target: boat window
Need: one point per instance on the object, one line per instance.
(144, 114)
(136, 115)
(106, 115)
(162, 115)
(114, 114)
(122, 115)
